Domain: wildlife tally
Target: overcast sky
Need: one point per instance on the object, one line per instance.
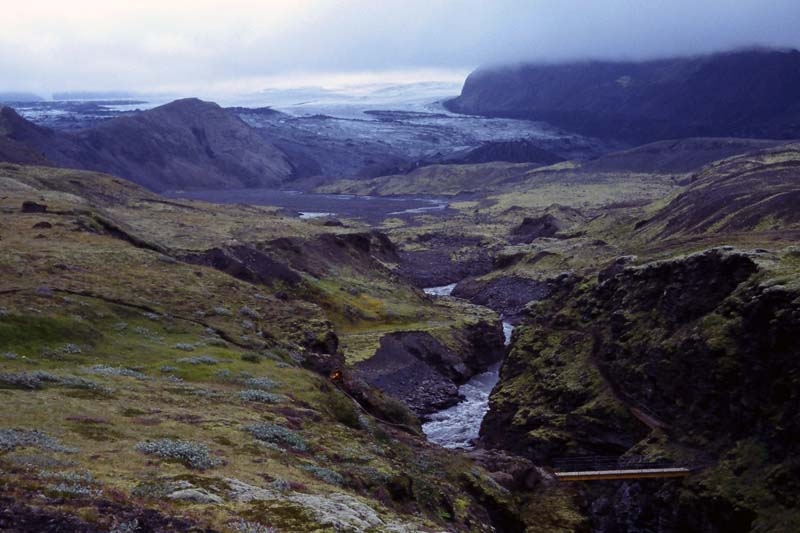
(204, 46)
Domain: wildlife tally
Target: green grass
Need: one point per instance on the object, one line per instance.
(29, 335)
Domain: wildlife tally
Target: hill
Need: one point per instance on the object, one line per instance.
(755, 192)
(753, 93)
(676, 156)
(184, 144)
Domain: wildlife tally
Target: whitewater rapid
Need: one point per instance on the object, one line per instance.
(444, 290)
(458, 426)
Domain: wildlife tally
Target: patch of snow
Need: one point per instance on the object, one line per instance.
(444, 290)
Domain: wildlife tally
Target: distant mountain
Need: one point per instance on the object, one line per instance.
(21, 137)
(754, 93)
(184, 144)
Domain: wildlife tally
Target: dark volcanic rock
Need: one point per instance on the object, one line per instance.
(740, 94)
(506, 295)
(405, 366)
(435, 266)
(324, 363)
(532, 228)
(33, 207)
(511, 471)
(419, 370)
(319, 256)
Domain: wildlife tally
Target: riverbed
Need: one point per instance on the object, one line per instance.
(372, 209)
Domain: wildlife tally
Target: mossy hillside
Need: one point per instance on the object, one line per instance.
(683, 341)
(204, 406)
(356, 291)
(564, 183)
(449, 180)
(134, 346)
(753, 194)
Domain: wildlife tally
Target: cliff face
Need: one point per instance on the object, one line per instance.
(691, 359)
(740, 94)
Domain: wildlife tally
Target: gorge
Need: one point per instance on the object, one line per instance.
(401, 315)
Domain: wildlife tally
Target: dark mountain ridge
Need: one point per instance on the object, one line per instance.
(751, 93)
(187, 143)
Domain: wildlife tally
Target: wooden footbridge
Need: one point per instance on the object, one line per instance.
(593, 468)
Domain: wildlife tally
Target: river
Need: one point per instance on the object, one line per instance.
(371, 209)
(458, 426)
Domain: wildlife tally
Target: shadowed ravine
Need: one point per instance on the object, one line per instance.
(458, 426)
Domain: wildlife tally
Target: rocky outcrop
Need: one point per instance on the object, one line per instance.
(445, 259)
(424, 373)
(739, 94)
(405, 366)
(360, 251)
(507, 295)
(703, 346)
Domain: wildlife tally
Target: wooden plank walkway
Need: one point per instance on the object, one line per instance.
(590, 468)
(642, 473)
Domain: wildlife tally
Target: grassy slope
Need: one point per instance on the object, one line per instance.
(74, 296)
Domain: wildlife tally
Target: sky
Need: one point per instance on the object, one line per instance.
(239, 46)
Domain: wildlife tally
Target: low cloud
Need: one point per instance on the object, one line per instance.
(194, 46)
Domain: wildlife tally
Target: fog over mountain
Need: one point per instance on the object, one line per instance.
(206, 47)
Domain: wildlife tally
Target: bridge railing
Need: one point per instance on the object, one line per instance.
(602, 463)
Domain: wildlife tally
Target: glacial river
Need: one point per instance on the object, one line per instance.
(459, 425)
(310, 206)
